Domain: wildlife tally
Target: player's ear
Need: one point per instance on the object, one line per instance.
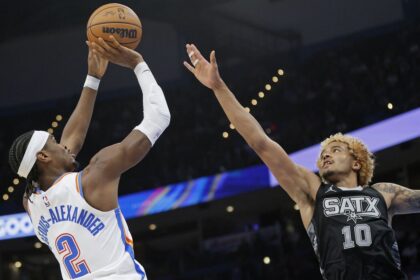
(43, 156)
(356, 165)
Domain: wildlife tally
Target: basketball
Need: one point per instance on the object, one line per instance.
(117, 20)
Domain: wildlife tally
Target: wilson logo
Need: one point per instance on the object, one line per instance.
(122, 32)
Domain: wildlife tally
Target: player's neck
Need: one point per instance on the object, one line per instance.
(347, 182)
(47, 180)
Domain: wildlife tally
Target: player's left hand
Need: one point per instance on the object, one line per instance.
(117, 53)
(97, 65)
(207, 72)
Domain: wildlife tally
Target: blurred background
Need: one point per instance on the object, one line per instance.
(202, 205)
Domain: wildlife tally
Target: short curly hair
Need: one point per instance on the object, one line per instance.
(359, 151)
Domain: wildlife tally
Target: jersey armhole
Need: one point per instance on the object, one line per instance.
(79, 187)
(382, 198)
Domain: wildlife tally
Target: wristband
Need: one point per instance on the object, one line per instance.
(92, 82)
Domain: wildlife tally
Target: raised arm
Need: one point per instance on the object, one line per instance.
(300, 183)
(101, 177)
(74, 132)
(399, 199)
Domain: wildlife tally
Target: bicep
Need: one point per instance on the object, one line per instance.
(296, 180)
(400, 200)
(406, 201)
(109, 163)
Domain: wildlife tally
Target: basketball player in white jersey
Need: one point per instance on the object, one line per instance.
(347, 220)
(76, 214)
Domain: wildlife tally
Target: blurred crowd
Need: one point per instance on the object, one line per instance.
(340, 87)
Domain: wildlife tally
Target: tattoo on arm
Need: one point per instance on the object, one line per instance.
(413, 199)
(402, 200)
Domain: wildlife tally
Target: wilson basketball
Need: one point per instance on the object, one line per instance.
(117, 20)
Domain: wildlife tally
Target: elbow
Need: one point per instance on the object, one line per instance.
(259, 144)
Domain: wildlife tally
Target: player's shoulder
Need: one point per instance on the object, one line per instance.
(386, 187)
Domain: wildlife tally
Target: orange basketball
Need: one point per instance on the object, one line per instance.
(117, 20)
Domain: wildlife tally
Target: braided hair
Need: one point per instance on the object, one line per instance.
(16, 153)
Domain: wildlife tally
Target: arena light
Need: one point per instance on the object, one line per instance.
(225, 134)
(268, 87)
(267, 260)
(38, 245)
(261, 94)
(254, 102)
(230, 209)
(275, 79)
(5, 196)
(231, 126)
(152, 227)
(16, 181)
(390, 106)
(50, 130)
(10, 189)
(59, 117)
(54, 124)
(18, 264)
(280, 72)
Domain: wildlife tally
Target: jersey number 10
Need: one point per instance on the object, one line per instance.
(362, 234)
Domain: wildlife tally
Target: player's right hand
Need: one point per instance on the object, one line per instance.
(117, 53)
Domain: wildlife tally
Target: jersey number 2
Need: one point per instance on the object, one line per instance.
(362, 234)
(67, 245)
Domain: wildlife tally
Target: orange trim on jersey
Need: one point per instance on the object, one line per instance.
(77, 183)
(127, 239)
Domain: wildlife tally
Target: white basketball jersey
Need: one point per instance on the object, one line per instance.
(88, 243)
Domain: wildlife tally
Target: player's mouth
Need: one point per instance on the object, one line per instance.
(327, 163)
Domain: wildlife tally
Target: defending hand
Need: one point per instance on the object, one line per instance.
(206, 72)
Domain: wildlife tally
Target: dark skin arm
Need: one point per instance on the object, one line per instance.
(300, 183)
(399, 199)
(76, 128)
(101, 177)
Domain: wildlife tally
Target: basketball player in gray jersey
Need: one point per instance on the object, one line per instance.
(348, 221)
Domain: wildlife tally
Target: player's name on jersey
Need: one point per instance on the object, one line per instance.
(361, 205)
(69, 213)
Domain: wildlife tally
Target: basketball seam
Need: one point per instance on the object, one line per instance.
(94, 35)
(95, 13)
(105, 22)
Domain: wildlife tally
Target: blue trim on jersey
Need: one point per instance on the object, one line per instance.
(79, 180)
(128, 248)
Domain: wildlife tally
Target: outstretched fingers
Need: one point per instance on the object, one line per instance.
(213, 58)
(189, 67)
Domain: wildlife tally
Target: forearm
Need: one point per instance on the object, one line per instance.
(156, 115)
(75, 131)
(243, 121)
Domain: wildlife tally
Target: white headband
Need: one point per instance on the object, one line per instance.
(37, 142)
